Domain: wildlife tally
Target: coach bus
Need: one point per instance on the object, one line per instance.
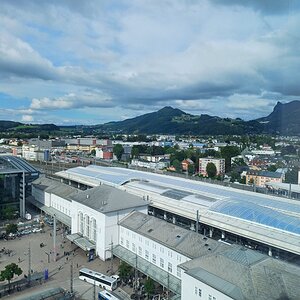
(104, 295)
(98, 279)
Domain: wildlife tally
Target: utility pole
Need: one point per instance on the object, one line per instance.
(94, 291)
(29, 264)
(111, 258)
(71, 278)
(54, 238)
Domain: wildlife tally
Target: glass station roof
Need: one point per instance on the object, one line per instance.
(255, 213)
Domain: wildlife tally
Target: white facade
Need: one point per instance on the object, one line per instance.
(98, 227)
(194, 289)
(218, 162)
(159, 255)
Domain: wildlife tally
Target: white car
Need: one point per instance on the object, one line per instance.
(34, 230)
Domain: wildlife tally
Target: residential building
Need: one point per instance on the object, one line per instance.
(260, 178)
(186, 163)
(218, 162)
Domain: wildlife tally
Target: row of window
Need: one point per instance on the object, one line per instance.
(198, 292)
(153, 259)
(61, 208)
(87, 226)
(147, 243)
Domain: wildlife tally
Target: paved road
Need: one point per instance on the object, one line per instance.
(60, 270)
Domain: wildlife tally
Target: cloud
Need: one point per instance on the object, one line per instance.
(212, 57)
(27, 118)
(72, 100)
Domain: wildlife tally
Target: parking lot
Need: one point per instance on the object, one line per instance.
(27, 248)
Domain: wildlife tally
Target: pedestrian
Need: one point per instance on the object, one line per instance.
(77, 265)
(19, 259)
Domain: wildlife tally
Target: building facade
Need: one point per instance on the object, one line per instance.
(218, 162)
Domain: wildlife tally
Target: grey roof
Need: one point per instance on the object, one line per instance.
(186, 242)
(55, 187)
(242, 273)
(108, 199)
(14, 164)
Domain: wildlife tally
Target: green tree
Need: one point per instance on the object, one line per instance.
(272, 168)
(191, 169)
(149, 287)
(11, 228)
(9, 212)
(135, 152)
(228, 152)
(211, 170)
(291, 176)
(93, 152)
(177, 165)
(124, 270)
(9, 272)
(118, 151)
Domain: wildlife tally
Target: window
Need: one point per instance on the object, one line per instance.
(199, 292)
(140, 239)
(122, 240)
(127, 244)
(154, 245)
(162, 263)
(87, 225)
(162, 249)
(170, 267)
(133, 236)
(209, 297)
(147, 242)
(147, 254)
(133, 247)
(140, 251)
(178, 272)
(169, 253)
(81, 222)
(94, 230)
(154, 258)
(196, 289)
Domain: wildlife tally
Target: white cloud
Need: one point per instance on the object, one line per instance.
(27, 118)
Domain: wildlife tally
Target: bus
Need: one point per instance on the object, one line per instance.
(104, 295)
(101, 280)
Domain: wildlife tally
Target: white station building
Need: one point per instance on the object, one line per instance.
(177, 231)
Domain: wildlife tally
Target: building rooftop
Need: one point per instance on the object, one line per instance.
(267, 219)
(55, 187)
(186, 242)
(14, 164)
(108, 199)
(241, 273)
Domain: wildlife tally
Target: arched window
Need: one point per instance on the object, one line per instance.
(87, 226)
(80, 222)
(93, 235)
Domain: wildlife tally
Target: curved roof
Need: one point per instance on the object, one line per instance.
(13, 164)
(256, 213)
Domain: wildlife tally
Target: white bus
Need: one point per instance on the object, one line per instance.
(98, 279)
(104, 295)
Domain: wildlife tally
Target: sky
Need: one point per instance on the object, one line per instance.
(90, 62)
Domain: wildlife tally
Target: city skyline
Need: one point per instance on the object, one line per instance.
(74, 62)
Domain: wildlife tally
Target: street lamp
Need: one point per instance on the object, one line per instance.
(48, 255)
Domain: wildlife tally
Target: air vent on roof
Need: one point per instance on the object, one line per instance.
(205, 238)
(87, 196)
(206, 245)
(178, 236)
(150, 230)
(209, 249)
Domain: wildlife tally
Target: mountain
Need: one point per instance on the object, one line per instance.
(17, 127)
(170, 120)
(284, 119)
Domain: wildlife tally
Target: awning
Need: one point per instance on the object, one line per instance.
(164, 278)
(82, 242)
(61, 217)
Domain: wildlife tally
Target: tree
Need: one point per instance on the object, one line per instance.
(291, 176)
(177, 165)
(211, 170)
(228, 152)
(9, 272)
(93, 152)
(149, 287)
(124, 270)
(135, 152)
(191, 169)
(11, 228)
(9, 212)
(118, 151)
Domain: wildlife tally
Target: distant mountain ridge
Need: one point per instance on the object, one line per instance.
(283, 120)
